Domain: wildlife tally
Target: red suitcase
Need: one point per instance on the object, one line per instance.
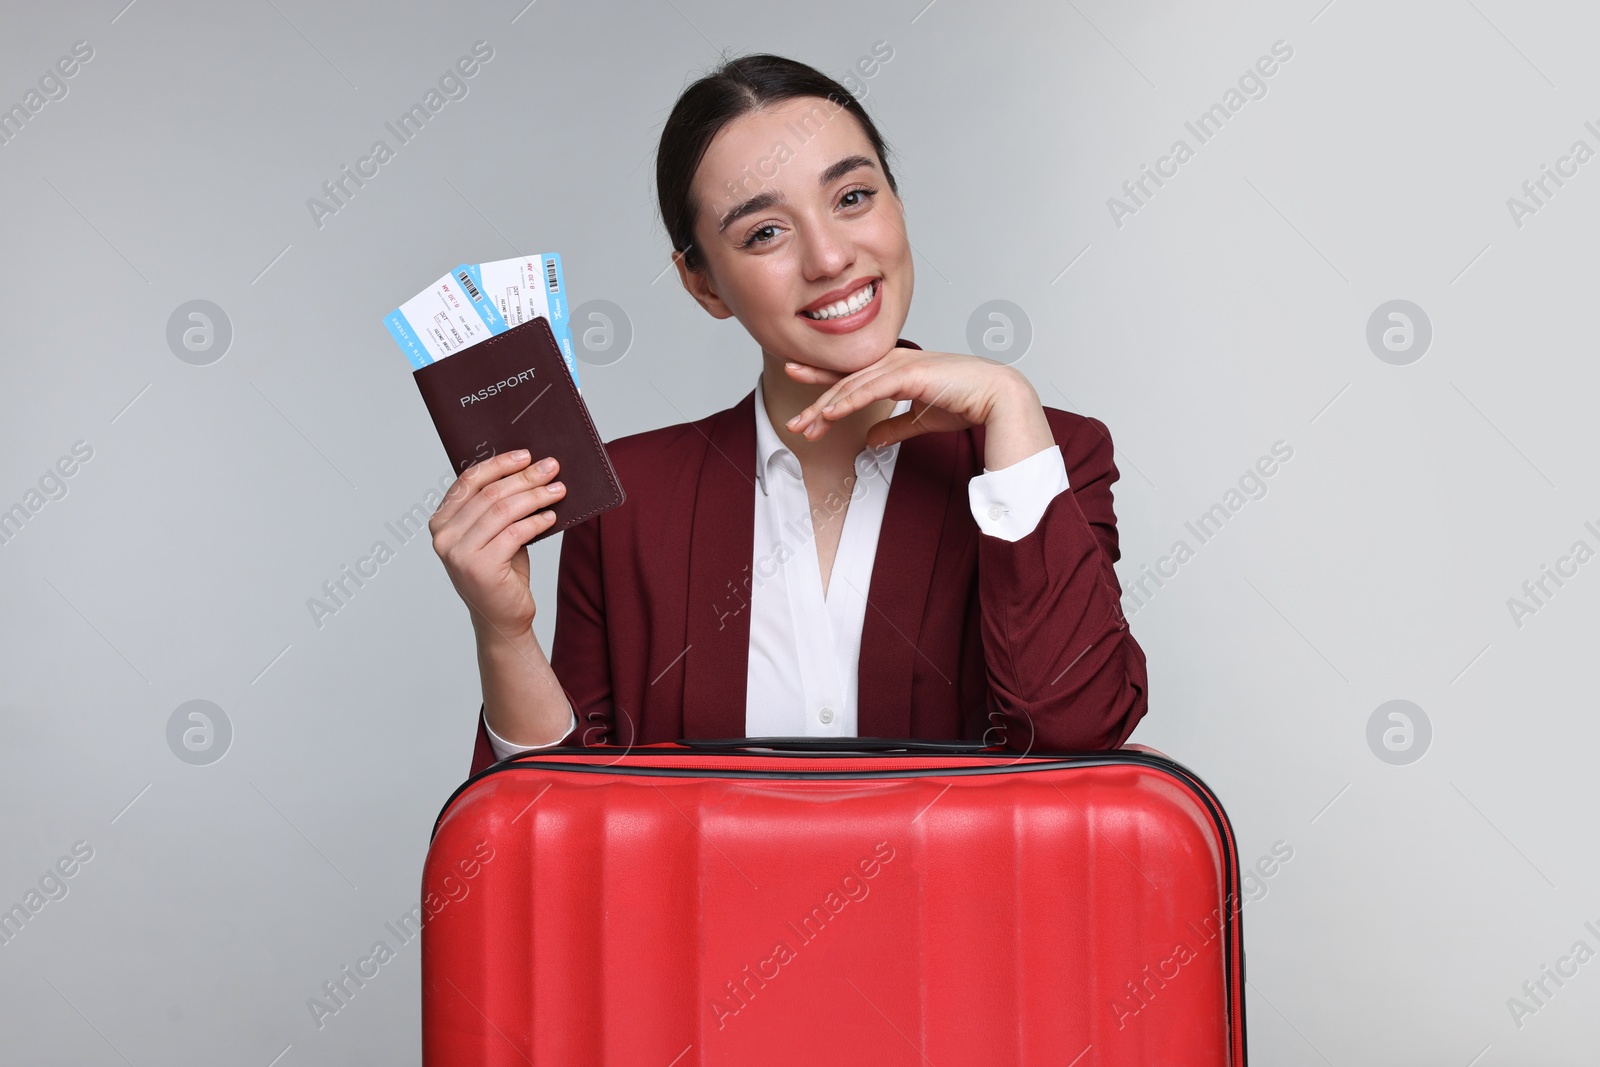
(908, 903)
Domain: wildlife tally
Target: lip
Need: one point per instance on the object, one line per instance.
(836, 295)
(846, 323)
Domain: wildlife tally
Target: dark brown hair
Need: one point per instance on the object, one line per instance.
(736, 87)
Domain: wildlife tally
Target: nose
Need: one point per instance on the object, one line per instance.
(826, 249)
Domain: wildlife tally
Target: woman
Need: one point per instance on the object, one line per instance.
(876, 541)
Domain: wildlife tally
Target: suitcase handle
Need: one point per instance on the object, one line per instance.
(833, 744)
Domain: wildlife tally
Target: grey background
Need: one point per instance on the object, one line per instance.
(1229, 313)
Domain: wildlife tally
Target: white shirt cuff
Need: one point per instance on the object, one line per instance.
(1008, 503)
(503, 748)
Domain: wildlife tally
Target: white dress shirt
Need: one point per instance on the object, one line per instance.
(805, 644)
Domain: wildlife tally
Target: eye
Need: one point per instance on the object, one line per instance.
(858, 197)
(862, 193)
(755, 235)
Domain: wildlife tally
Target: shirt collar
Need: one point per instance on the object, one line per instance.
(771, 452)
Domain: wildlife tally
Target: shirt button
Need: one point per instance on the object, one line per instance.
(825, 715)
(996, 511)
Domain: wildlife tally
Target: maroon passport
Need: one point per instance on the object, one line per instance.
(514, 391)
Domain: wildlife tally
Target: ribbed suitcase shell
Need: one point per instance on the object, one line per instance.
(673, 907)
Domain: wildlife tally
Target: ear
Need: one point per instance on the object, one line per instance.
(699, 285)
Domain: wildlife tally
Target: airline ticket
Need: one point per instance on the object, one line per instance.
(477, 301)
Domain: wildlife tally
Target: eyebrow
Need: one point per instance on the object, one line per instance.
(762, 201)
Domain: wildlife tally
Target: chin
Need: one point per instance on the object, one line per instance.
(848, 353)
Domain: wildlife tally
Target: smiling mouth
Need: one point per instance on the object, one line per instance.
(849, 305)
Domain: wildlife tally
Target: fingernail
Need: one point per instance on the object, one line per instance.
(556, 487)
(521, 453)
(547, 464)
(827, 407)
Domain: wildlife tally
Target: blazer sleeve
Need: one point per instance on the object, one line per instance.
(1064, 670)
(578, 654)
(581, 650)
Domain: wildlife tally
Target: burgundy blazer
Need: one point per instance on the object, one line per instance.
(966, 636)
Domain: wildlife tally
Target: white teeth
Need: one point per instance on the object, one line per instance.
(855, 303)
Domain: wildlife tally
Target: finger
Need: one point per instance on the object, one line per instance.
(893, 429)
(811, 417)
(889, 383)
(831, 410)
(474, 478)
(510, 540)
(901, 427)
(508, 511)
(804, 372)
(518, 481)
(808, 414)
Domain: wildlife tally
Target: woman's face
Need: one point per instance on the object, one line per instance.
(795, 216)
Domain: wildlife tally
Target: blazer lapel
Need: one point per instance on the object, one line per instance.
(717, 660)
(902, 574)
